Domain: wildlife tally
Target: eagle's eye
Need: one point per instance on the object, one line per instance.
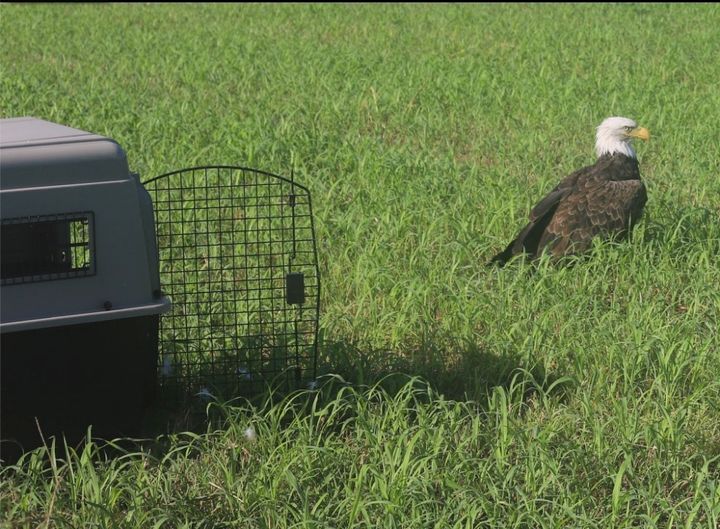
(628, 128)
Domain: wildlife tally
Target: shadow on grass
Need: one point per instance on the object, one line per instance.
(457, 371)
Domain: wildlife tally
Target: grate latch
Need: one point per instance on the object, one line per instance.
(295, 288)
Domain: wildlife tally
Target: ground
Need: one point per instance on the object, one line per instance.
(550, 397)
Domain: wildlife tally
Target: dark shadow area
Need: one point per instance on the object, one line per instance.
(455, 370)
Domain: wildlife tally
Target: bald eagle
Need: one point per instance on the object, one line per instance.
(605, 199)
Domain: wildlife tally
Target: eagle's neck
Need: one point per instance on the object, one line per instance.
(617, 167)
(608, 144)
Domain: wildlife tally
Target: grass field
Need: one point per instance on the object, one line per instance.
(550, 397)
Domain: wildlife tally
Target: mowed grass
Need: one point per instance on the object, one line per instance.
(550, 397)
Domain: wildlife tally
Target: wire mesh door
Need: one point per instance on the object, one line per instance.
(239, 263)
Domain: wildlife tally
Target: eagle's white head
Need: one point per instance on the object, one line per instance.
(615, 134)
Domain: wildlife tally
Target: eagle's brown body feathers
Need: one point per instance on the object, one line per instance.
(604, 199)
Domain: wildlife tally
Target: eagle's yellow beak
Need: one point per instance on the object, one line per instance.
(640, 132)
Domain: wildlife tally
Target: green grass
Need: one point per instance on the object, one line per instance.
(558, 397)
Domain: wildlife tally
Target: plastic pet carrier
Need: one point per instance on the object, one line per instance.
(203, 281)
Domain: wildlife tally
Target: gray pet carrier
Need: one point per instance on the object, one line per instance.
(203, 281)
